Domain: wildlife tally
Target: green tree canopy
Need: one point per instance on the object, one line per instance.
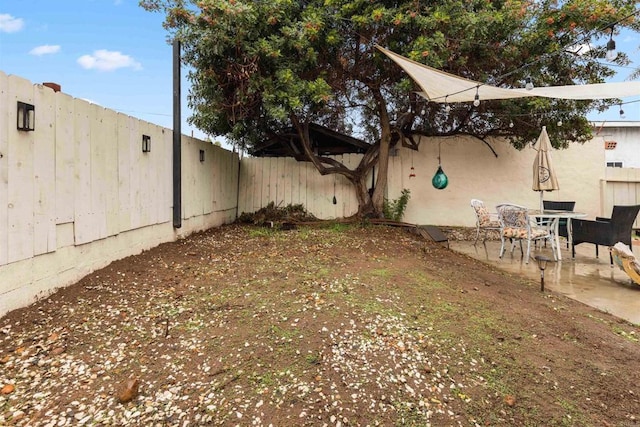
(259, 68)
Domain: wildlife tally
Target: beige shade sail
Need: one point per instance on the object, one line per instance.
(441, 87)
(544, 175)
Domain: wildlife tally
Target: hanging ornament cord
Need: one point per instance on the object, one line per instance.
(413, 172)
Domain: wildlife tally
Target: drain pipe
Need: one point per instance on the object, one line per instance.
(177, 139)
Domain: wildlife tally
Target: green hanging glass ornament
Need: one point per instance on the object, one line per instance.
(440, 180)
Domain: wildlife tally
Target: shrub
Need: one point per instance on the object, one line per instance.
(394, 209)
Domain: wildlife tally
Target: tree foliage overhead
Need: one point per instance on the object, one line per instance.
(260, 67)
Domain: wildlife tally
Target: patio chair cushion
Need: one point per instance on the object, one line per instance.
(484, 219)
(521, 233)
(517, 225)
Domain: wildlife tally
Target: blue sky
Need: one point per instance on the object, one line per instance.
(629, 43)
(110, 52)
(114, 53)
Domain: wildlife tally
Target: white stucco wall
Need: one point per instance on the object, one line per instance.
(474, 172)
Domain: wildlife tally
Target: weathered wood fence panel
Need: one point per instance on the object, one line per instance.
(4, 170)
(21, 185)
(285, 181)
(621, 187)
(44, 203)
(65, 164)
(83, 230)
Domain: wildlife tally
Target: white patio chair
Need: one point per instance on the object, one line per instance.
(485, 220)
(516, 225)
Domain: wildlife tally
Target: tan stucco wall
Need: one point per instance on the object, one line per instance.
(475, 172)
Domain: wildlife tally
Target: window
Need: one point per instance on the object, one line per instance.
(614, 164)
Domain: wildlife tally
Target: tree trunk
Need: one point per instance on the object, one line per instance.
(381, 178)
(357, 177)
(383, 157)
(365, 206)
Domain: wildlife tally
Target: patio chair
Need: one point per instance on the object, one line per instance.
(516, 225)
(485, 220)
(562, 222)
(605, 231)
(625, 259)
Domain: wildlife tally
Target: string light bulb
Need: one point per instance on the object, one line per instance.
(476, 99)
(622, 116)
(528, 83)
(511, 124)
(559, 123)
(447, 107)
(611, 54)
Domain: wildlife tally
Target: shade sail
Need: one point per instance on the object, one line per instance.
(441, 87)
(544, 175)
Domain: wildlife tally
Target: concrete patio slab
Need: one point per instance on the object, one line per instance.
(586, 278)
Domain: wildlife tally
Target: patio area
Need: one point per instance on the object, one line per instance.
(586, 278)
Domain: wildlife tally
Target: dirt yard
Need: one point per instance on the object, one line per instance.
(315, 326)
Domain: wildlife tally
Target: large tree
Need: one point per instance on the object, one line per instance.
(262, 68)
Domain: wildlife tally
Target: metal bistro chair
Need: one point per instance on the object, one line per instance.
(485, 220)
(516, 225)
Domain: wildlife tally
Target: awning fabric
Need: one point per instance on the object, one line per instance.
(441, 87)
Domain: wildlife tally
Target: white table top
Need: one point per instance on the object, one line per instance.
(556, 214)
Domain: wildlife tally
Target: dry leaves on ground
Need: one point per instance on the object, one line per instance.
(336, 325)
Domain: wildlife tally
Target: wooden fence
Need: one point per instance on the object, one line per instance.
(285, 181)
(621, 186)
(78, 191)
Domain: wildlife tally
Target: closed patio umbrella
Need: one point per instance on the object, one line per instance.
(544, 176)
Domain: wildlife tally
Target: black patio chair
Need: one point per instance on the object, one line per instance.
(553, 205)
(605, 231)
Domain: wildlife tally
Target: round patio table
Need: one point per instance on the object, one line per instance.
(555, 216)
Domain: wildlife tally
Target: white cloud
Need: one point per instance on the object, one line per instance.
(9, 24)
(105, 60)
(45, 50)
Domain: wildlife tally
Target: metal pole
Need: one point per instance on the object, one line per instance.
(177, 139)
